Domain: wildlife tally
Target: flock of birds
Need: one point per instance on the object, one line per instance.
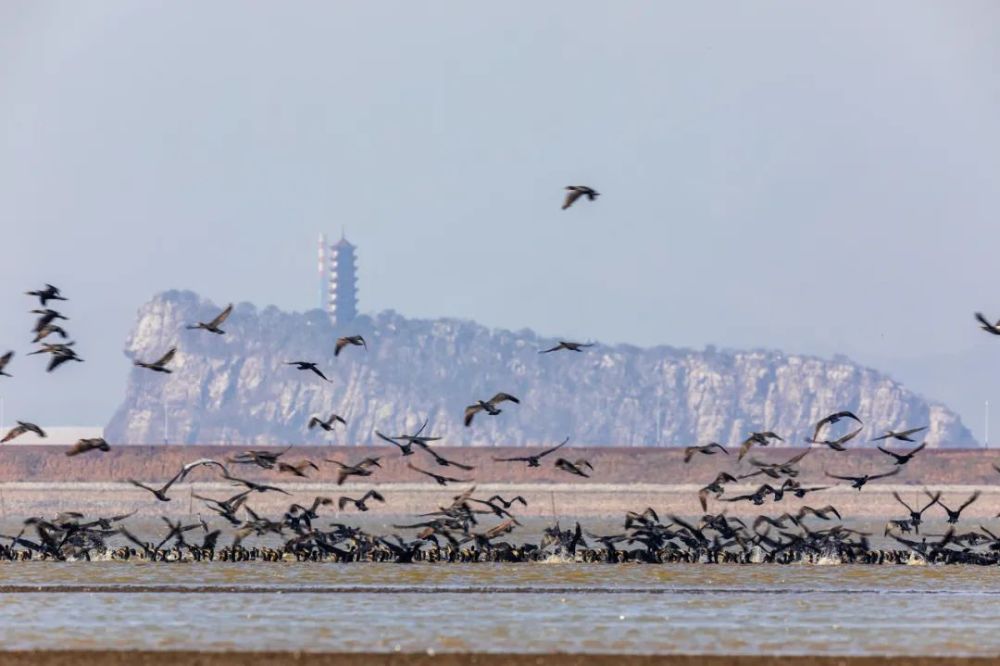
(454, 533)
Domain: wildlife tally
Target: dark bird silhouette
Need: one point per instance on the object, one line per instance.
(355, 340)
(160, 364)
(359, 504)
(50, 329)
(297, 470)
(901, 435)
(4, 362)
(213, 326)
(859, 481)
(916, 517)
(161, 492)
(569, 346)
(714, 488)
(954, 514)
(227, 508)
(508, 503)
(253, 485)
(708, 450)
(21, 428)
(404, 449)
(534, 460)
(88, 444)
(574, 466)
(903, 458)
(838, 444)
(306, 365)
(363, 468)
(50, 293)
(46, 317)
(261, 458)
(831, 419)
(488, 406)
(987, 326)
(441, 460)
(416, 438)
(441, 480)
(823, 513)
(777, 470)
(328, 424)
(574, 192)
(762, 438)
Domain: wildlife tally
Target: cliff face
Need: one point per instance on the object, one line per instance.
(236, 388)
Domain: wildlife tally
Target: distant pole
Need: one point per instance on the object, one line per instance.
(1, 413)
(986, 435)
(165, 440)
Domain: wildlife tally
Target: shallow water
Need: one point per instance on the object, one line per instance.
(797, 609)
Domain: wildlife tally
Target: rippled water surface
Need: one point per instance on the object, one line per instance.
(765, 609)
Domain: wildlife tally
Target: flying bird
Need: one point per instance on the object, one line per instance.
(708, 450)
(903, 458)
(363, 468)
(359, 504)
(4, 362)
(831, 419)
(534, 460)
(954, 514)
(297, 470)
(21, 428)
(488, 406)
(574, 192)
(306, 365)
(762, 438)
(901, 435)
(213, 326)
(440, 479)
(328, 424)
(568, 346)
(574, 466)
(987, 326)
(859, 481)
(45, 317)
(160, 364)
(88, 444)
(355, 340)
(838, 444)
(50, 293)
(50, 329)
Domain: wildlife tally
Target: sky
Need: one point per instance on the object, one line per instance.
(820, 178)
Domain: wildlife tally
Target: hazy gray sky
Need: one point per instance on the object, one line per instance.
(820, 179)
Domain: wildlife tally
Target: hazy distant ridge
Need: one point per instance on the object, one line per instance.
(235, 388)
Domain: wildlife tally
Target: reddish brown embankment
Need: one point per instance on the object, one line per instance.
(971, 467)
(172, 658)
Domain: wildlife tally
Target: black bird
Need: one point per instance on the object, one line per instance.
(574, 192)
(88, 444)
(213, 326)
(4, 362)
(508, 503)
(953, 515)
(757, 497)
(160, 364)
(416, 438)
(50, 293)
(777, 470)
(762, 438)
(715, 487)
(261, 458)
(831, 419)
(903, 458)
(21, 428)
(441, 480)
(837, 444)
(253, 485)
(441, 460)
(488, 406)
(363, 468)
(328, 424)
(359, 504)
(46, 317)
(159, 493)
(50, 329)
(859, 481)
(901, 435)
(574, 466)
(297, 470)
(708, 450)
(404, 449)
(987, 326)
(534, 461)
(822, 514)
(355, 340)
(569, 346)
(306, 365)
(227, 508)
(916, 517)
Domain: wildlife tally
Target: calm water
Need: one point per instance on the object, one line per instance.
(802, 609)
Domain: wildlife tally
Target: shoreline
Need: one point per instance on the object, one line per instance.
(101, 657)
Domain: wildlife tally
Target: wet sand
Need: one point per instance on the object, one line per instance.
(173, 658)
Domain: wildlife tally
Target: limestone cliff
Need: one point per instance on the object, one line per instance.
(236, 388)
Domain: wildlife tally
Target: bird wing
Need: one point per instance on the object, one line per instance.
(222, 316)
(571, 196)
(917, 449)
(882, 476)
(313, 422)
(16, 431)
(341, 343)
(969, 501)
(890, 453)
(317, 371)
(843, 478)
(885, 436)
(470, 412)
(166, 358)
(554, 448)
(992, 328)
(911, 431)
(500, 397)
(552, 349)
(5, 359)
(56, 361)
(388, 439)
(849, 436)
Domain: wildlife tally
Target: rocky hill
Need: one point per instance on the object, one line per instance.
(237, 389)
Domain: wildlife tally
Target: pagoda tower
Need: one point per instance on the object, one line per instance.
(338, 280)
